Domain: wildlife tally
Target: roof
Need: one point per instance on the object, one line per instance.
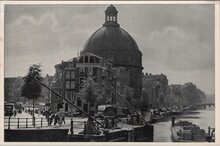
(58, 83)
(111, 9)
(110, 37)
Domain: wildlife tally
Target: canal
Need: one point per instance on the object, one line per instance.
(202, 118)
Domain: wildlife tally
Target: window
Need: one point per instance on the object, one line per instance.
(91, 59)
(111, 18)
(107, 18)
(79, 102)
(73, 95)
(82, 70)
(72, 84)
(92, 104)
(67, 84)
(81, 82)
(86, 59)
(97, 60)
(67, 74)
(72, 74)
(67, 94)
(90, 70)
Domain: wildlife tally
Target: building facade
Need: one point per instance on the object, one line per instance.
(69, 82)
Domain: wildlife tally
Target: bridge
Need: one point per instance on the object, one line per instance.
(204, 105)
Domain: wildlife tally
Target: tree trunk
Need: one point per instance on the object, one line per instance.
(33, 117)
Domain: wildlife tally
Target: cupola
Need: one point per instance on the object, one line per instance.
(111, 16)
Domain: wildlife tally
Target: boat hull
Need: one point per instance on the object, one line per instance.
(138, 134)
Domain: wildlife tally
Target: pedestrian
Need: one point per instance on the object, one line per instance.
(63, 118)
(15, 113)
(50, 119)
(113, 122)
(56, 119)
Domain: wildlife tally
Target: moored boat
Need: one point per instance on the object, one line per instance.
(184, 131)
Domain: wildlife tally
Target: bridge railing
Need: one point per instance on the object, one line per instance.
(16, 123)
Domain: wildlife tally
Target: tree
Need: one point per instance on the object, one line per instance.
(31, 89)
(90, 92)
(128, 94)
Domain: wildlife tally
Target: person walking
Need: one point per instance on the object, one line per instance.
(63, 118)
(50, 119)
(15, 113)
(56, 119)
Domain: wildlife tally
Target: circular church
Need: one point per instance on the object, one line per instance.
(114, 43)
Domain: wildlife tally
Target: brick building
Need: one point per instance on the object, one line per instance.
(69, 77)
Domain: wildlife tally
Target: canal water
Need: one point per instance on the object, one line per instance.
(202, 118)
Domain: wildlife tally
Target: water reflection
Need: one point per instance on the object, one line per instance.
(202, 118)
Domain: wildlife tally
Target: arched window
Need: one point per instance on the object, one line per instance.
(86, 59)
(91, 59)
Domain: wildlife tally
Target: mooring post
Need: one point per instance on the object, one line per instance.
(71, 126)
(209, 131)
(26, 122)
(41, 122)
(18, 123)
(9, 119)
(34, 121)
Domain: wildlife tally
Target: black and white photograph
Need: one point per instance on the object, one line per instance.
(109, 71)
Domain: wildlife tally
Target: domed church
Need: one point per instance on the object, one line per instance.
(114, 43)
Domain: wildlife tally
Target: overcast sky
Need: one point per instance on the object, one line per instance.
(177, 40)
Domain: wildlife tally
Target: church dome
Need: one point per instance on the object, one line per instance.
(113, 42)
(110, 37)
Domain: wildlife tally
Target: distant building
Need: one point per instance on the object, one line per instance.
(12, 88)
(155, 90)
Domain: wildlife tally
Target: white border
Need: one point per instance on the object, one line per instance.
(217, 69)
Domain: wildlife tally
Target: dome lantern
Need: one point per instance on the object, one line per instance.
(111, 16)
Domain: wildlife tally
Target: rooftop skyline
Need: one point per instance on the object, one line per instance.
(176, 40)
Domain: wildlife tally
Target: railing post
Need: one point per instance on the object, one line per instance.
(209, 131)
(41, 122)
(26, 122)
(18, 123)
(9, 119)
(34, 121)
(71, 126)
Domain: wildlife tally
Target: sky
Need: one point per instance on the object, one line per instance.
(176, 40)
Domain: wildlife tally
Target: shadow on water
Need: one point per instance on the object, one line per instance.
(188, 117)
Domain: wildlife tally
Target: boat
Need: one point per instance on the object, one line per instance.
(184, 131)
(159, 115)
